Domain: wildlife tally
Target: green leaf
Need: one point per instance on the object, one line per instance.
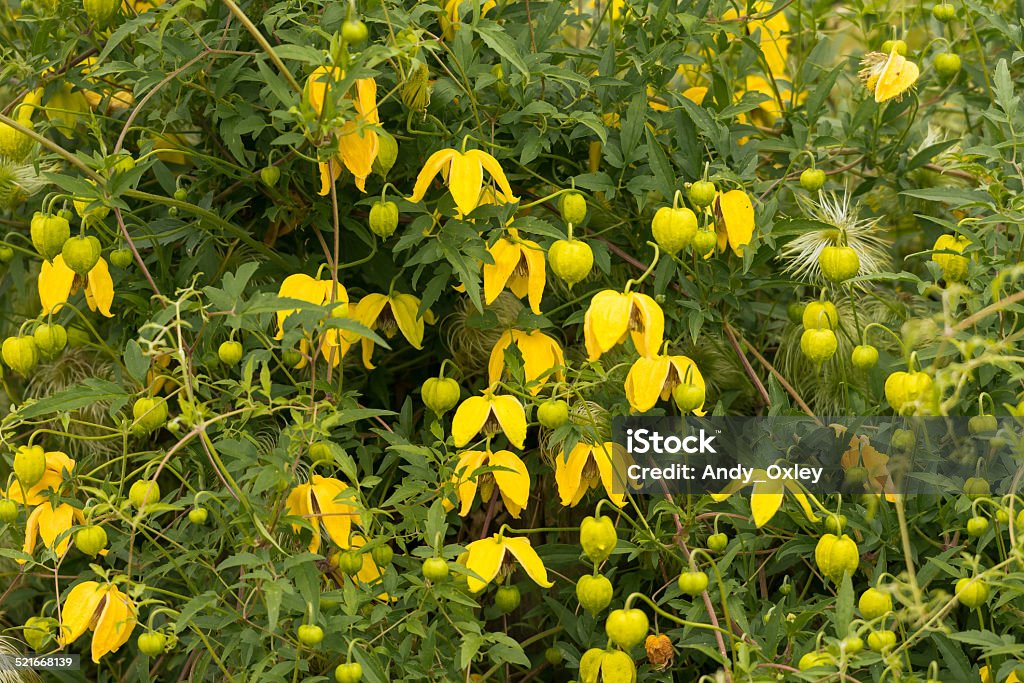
(844, 606)
(136, 363)
(497, 39)
(90, 391)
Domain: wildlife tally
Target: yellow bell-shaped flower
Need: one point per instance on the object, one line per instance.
(103, 608)
(487, 557)
(614, 315)
(464, 173)
(57, 282)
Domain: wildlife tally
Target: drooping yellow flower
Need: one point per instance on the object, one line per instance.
(771, 33)
(655, 377)
(464, 174)
(51, 525)
(613, 315)
(389, 314)
(120, 98)
(766, 496)
(358, 144)
(734, 220)
(334, 344)
(542, 357)
(57, 464)
(487, 557)
(318, 501)
(451, 18)
(305, 288)
(587, 465)
(109, 613)
(510, 475)
(986, 677)
(519, 266)
(888, 76)
(57, 282)
(490, 412)
(862, 454)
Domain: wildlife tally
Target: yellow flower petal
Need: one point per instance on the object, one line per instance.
(765, 501)
(469, 419)
(80, 605)
(542, 357)
(484, 559)
(496, 362)
(602, 454)
(645, 381)
(329, 173)
(898, 76)
(606, 321)
(465, 483)
(114, 626)
(336, 515)
(301, 287)
(492, 166)
(99, 289)
(569, 474)
(648, 339)
(300, 504)
(465, 180)
(536, 274)
(512, 418)
(434, 165)
(54, 522)
(55, 282)
(529, 560)
(513, 481)
(735, 222)
(405, 308)
(506, 255)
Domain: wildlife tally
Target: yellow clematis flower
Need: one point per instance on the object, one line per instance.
(586, 466)
(389, 314)
(986, 677)
(652, 378)
(451, 18)
(120, 98)
(612, 315)
(358, 144)
(318, 501)
(334, 344)
(770, 32)
(464, 174)
(489, 412)
(57, 282)
(734, 220)
(519, 266)
(510, 475)
(888, 76)
(51, 525)
(57, 464)
(862, 454)
(766, 496)
(305, 288)
(487, 557)
(542, 357)
(102, 608)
